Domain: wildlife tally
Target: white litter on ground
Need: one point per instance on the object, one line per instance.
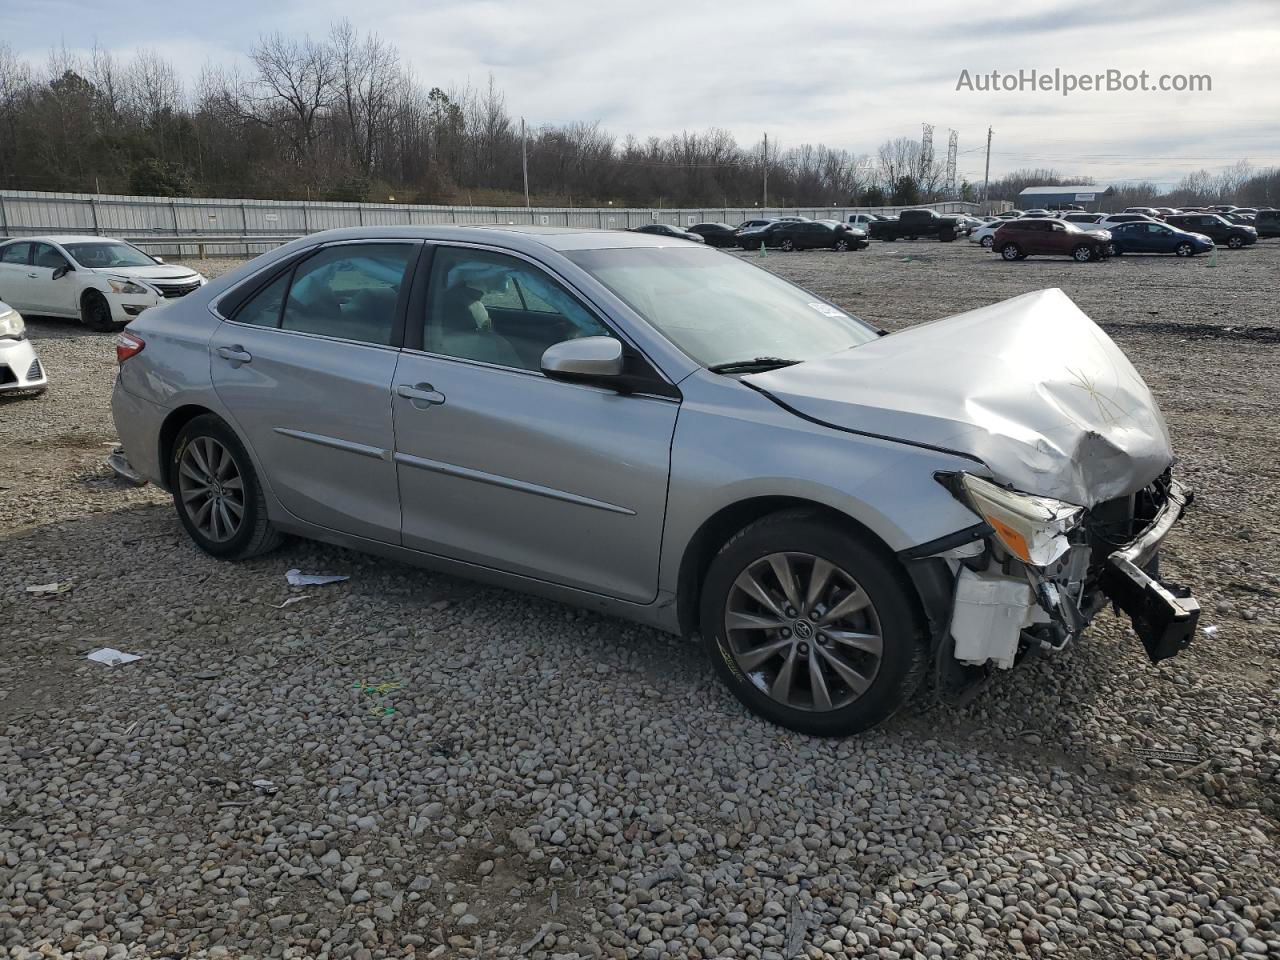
(297, 578)
(49, 589)
(112, 657)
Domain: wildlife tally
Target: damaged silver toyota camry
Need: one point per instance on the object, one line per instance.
(667, 433)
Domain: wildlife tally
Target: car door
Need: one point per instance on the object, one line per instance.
(52, 296)
(15, 279)
(304, 367)
(1160, 239)
(506, 468)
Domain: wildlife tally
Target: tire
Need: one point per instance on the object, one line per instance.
(888, 239)
(1010, 251)
(1083, 253)
(788, 244)
(884, 652)
(1184, 250)
(192, 461)
(1235, 243)
(946, 237)
(95, 312)
(987, 242)
(841, 246)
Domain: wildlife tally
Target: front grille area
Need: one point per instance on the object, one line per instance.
(1114, 523)
(35, 371)
(172, 290)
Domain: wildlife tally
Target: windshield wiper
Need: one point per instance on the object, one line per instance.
(756, 365)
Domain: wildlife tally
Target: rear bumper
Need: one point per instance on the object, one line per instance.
(1164, 615)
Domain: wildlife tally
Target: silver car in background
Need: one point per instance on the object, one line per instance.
(20, 368)
(664, 432)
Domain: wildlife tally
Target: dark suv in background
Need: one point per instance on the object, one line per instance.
(1217, 229)
(1267, 223)
(1019, 239)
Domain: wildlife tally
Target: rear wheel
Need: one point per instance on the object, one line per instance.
(216, 492)
(1082, 253)
(95, 312)
(987, 242)
(1010, 251)
(810, 627)
(1184, 250)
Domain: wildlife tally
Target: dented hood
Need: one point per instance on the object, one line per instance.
(1031, 386)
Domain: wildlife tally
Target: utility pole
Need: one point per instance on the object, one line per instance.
(524, 162)
(986, 177)
(766, 170)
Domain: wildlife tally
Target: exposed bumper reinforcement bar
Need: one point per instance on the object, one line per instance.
(1164, 615)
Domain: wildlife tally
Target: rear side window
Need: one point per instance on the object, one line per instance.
(263, 308)
(15, 253)
(349, 291)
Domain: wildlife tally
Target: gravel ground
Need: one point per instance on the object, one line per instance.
(405, 764)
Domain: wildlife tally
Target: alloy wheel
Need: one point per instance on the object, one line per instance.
(987, 242)
(803, 631)
(211, 488)
(1184, 250)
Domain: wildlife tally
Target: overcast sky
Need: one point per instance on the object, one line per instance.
(827, 71)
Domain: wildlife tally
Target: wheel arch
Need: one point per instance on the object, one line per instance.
(173, 423)
(721, 526)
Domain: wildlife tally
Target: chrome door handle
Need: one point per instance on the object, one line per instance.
(423, 395)
(236, 354)
(34, 276)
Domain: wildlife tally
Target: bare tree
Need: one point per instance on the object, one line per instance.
(367, 73)
(292, 90)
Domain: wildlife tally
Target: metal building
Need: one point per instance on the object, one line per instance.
(1088, 195)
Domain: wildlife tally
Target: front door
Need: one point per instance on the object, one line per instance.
(506, 468)
(305, 369)
(54, 297)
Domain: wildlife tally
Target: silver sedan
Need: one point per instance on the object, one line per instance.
(667, 433)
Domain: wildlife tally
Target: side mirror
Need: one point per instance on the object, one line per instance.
(158, 259)
(62, 271)
(586, 360)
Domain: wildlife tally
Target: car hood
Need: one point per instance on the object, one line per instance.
(1030, 386)
(158, 271)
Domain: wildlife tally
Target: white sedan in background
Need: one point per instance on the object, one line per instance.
(20, 369)
(983, 234)
(102, 282)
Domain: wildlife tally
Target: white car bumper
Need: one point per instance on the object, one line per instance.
(20, 368)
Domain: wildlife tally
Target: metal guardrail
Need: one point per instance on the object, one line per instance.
(203, 246)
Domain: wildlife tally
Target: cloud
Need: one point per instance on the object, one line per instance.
(804, 70)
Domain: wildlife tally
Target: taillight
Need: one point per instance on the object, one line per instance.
(128, 345)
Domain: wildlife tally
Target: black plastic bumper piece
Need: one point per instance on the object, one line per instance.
(1164, 615)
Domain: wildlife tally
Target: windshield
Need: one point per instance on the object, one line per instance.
(94, 255)
(718, 309)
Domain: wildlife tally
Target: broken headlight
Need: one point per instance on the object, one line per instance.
(1033, 529)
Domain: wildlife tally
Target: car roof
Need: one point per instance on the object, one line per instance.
(516, 236)
(67, 238)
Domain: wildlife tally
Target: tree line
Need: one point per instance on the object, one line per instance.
(343, 117)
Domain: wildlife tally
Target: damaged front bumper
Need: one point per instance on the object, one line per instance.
(1164, 615)
(1003, 608)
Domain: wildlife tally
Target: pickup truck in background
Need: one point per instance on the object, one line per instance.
(914, 225)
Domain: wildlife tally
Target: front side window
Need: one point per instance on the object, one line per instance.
(719, 309)
(48, 257)
(497, 309)
(350, 291)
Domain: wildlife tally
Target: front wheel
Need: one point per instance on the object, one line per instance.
(841, 246)
(1184, 250)
(810, 627)
(1010, 251)
(216, 492)
(788, 244)
(1235, 243)
(1083, 253)
(95, 312)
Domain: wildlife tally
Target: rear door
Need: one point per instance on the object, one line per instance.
(503, 467)
(15, 267)
(305, 369)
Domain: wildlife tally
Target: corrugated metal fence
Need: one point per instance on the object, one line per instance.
(237, 227)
